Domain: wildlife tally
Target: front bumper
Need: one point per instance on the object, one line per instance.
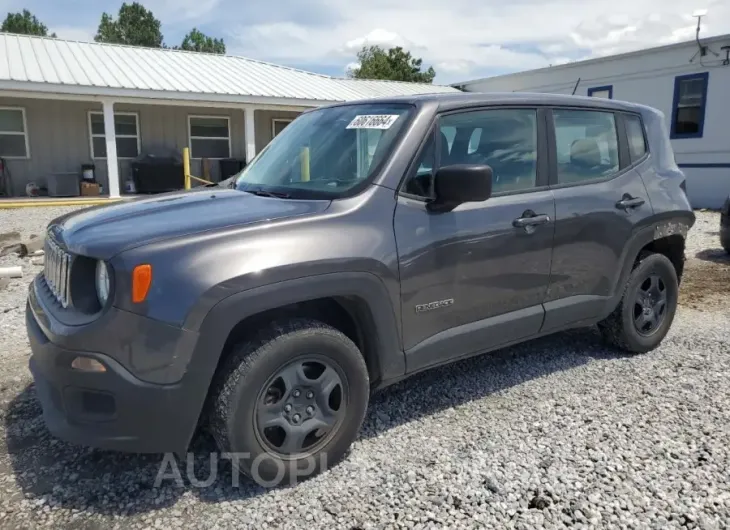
(114, 409)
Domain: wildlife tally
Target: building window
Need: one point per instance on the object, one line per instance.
(210, 136)
(278, 125)
(126, 131)
(13, 133)
(586, 144)
(688, 107)
(601, 92)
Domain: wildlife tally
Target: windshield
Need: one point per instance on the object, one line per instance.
(327, 153)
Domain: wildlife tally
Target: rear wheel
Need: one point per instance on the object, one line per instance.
(289, 403)
(646, 311)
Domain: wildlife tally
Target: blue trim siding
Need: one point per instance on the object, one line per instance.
(705, 76)
(709, 165)
(601, 89)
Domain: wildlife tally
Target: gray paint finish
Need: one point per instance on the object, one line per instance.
(220, 256)
(58, 133)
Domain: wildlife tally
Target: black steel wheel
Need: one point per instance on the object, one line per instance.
(646, 310)
(301, 406)
(289, 402)
(650, 305)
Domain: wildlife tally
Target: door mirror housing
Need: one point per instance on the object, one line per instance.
(461, 183)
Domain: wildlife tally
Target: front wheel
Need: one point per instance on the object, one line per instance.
(289, 403)
(646, 311)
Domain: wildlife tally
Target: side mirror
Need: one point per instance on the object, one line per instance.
(461, 183)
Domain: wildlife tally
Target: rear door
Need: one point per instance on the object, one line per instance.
(475, 277)
(600, 199)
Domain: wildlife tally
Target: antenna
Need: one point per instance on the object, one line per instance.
(702, 49)
(575, 87)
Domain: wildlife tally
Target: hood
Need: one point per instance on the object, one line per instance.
(104, 231)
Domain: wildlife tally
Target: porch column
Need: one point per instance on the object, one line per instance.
(112, 166)
(250, 134)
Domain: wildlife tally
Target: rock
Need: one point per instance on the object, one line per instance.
(9, 237)
(32, 245)
(4, 282)
(11, 248)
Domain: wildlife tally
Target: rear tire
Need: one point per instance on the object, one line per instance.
(288, 403)
(645, 313)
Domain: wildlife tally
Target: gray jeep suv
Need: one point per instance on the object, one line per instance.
(367, 242)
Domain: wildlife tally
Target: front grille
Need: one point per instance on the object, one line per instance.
(57, 271)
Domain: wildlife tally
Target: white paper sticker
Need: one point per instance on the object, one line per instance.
(373, 121)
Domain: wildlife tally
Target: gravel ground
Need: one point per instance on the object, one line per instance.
(557, 432)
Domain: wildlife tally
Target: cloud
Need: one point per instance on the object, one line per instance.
(463, 39)
(74, 33)
(175, 11)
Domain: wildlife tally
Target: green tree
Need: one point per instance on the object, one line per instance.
(134, 25)
(396, 65)
(26, 24)
(196, 41)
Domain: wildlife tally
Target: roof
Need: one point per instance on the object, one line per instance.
(70, 67)
(595, 60)
(458, 100)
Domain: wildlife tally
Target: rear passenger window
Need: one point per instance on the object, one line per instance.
(587, 145)
(635, 133)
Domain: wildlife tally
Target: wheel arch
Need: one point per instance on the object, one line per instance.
(665, 235)
(357, 303)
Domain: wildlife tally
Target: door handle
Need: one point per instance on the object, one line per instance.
(629, 202)
(532, 220)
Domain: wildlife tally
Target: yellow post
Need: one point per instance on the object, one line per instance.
(304, 160)
(186, 166)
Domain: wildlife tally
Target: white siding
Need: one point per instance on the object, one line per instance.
(647, 77)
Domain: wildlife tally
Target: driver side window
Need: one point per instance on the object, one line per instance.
(504, 139)
(420, 183)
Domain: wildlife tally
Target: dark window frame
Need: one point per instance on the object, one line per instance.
(705, 77)
(542, 166)
(623, 148)
(608, 88)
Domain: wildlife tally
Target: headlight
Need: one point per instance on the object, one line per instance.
(102, 282)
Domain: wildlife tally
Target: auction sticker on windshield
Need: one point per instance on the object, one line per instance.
(373, 121)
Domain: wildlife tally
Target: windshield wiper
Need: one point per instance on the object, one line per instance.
(264, 193)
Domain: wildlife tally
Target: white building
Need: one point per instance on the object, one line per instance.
(692, 90)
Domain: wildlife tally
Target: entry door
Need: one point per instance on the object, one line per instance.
(600, 199)
(475, 277)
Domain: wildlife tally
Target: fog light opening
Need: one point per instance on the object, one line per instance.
(87, 364)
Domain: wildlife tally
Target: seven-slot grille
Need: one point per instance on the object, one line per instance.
(57, 271)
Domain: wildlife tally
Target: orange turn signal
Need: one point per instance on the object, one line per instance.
(141, 281)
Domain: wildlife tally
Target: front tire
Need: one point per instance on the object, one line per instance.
(645, 313)
(288, 404)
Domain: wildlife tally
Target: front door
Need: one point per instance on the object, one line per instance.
(600, 199)
(475, 277)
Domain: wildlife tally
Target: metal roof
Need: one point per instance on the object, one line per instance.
(55, 65)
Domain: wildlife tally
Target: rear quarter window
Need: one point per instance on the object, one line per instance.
(636, 137)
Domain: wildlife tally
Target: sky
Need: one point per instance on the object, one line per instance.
(461, 39)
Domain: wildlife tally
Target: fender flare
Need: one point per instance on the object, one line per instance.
(228, 312)
(666, 225)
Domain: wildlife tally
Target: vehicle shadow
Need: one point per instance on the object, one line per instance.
(55, 473)
(715, 255)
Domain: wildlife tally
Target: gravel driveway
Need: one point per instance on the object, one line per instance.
(557, 432)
